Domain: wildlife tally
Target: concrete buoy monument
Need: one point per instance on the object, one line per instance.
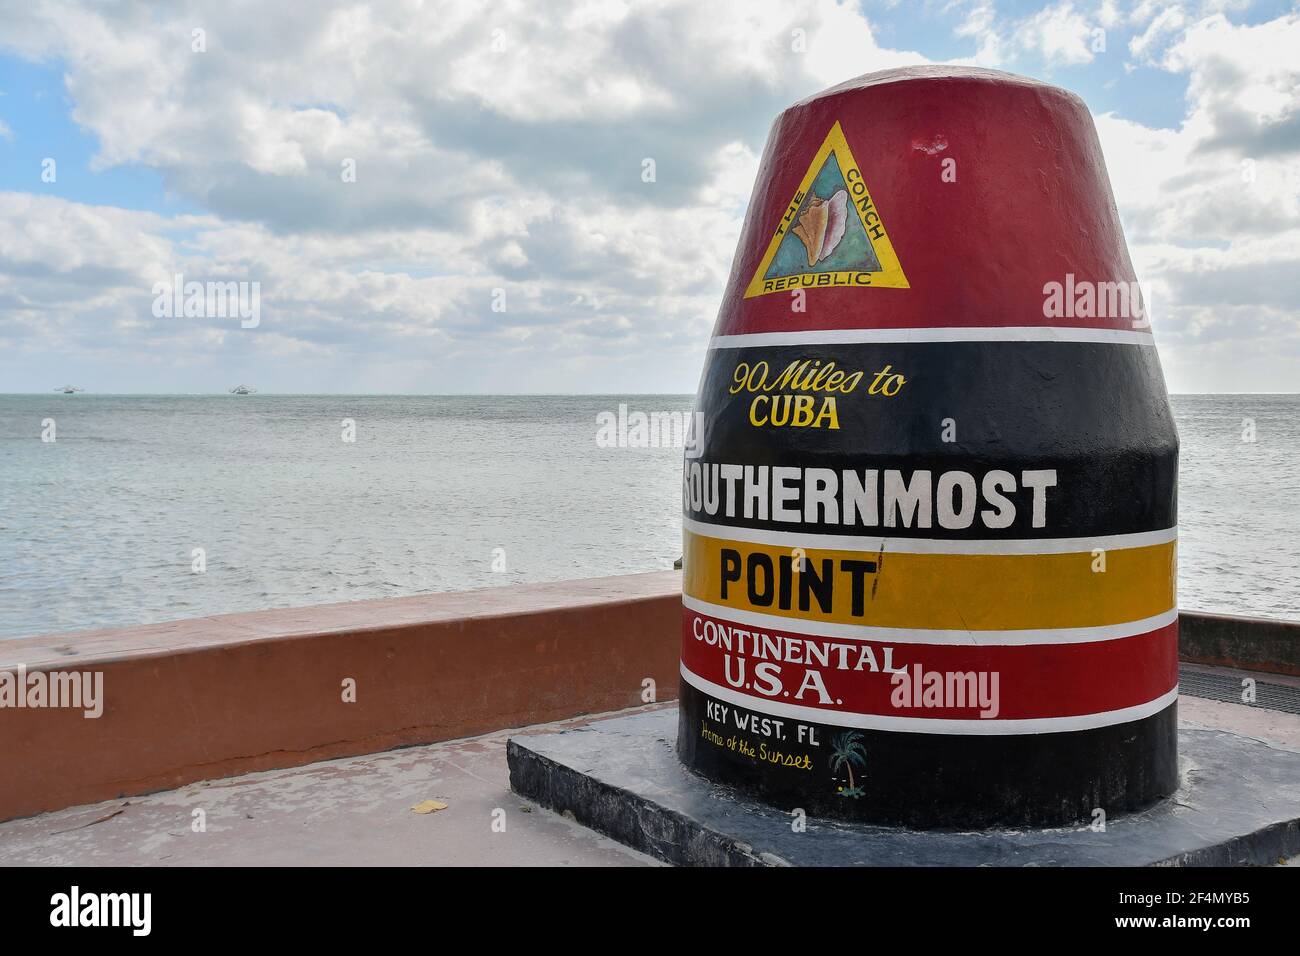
(928, 611)
(930, 511)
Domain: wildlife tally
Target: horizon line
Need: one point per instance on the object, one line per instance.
(259, 392)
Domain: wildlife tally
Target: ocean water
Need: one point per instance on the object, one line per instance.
(99, 527)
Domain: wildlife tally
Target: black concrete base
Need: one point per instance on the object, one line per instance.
(1238, 802)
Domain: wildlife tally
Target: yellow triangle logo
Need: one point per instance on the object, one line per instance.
(831, 234)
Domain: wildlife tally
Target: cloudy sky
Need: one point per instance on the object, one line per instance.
(500, 145)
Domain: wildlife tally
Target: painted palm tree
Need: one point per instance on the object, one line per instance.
(848, 752)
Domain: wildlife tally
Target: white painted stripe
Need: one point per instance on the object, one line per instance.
(876, 543)
(909, 635)
(1007, 334)
(932, 725)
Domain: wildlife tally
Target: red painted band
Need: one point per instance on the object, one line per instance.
(990, 187)
(1033, 680)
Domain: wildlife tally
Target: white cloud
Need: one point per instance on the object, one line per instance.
(496, 145)
(1160, 29)
(980, 23)
(513, 160)
(1212, 209)
(1243, 83)
(1059, 34)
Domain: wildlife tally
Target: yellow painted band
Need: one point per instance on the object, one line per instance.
(977, 592)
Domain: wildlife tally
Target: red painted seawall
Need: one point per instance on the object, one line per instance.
(218, 696)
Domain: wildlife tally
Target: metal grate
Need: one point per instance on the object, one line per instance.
(1228, 688)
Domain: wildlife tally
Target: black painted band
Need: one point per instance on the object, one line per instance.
(1092, 413)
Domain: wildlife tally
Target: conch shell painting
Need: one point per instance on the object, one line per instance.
(820, 226)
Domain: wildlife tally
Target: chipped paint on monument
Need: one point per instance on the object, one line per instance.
(831, 234)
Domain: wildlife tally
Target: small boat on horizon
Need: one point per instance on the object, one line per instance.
(242, 390)
(69, 389)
